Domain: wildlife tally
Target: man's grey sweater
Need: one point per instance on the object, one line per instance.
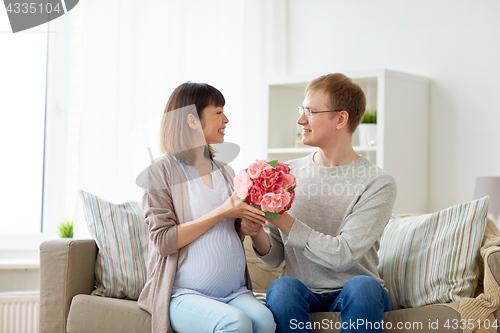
(340, 214)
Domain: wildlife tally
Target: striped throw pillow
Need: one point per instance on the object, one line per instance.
(122, 239)
(433, 258)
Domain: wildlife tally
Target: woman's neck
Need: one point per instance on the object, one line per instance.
(202, 162)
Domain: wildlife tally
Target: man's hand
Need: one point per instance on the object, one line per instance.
(250, 228)
(260, 239)
(284, 222)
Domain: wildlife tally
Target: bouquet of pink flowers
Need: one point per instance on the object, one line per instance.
(268, 184)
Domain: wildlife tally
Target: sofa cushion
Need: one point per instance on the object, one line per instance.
(95, 314)
(122, 239)
(433, 258)
(432, 318)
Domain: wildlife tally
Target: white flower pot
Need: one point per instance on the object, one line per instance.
(367, 135)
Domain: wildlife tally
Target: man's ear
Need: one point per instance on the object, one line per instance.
(343, 119)
(191, 121)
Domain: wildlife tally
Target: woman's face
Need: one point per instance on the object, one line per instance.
(214, 124)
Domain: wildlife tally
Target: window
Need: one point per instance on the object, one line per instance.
(22, 84)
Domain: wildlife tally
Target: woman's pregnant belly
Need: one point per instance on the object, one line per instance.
(215, 262)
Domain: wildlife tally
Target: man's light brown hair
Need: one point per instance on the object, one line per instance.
(344, 95)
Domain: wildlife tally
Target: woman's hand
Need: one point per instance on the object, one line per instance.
(260, 238)
(234, 207)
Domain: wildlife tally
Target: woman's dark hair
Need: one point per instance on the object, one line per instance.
(175, 135)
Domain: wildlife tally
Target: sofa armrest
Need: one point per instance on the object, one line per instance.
(494, 263)
(66, 269)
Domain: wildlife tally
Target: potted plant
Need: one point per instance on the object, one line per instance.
(367, 129)
(66, 229)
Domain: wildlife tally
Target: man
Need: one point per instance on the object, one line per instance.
(330, 237)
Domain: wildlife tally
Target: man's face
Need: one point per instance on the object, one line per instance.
(319, 128)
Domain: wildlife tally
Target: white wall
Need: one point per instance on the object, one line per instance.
(110, 74)
(454, 43)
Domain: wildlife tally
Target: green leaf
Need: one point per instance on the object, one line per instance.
(271, 215)
(273, 163)
(370, 117)
(66, 229)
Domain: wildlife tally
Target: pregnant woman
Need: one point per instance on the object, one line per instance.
(197, 276)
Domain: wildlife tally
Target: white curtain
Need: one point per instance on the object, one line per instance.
(112, 67)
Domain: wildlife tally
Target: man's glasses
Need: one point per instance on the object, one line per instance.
(309, 112)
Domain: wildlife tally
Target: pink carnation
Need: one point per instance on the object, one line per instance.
(283, 168)
(292, 198)
(269, 180)
(289, 181)
(268, 184)
(255, 195)
(242, 183)
(257, 167)
(275, 202)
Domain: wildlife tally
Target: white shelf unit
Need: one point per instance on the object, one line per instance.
(402, 103)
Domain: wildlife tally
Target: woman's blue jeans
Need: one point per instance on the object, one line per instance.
(199, 314)
(361, 303)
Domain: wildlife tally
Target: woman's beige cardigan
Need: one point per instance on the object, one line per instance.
(166, 204)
